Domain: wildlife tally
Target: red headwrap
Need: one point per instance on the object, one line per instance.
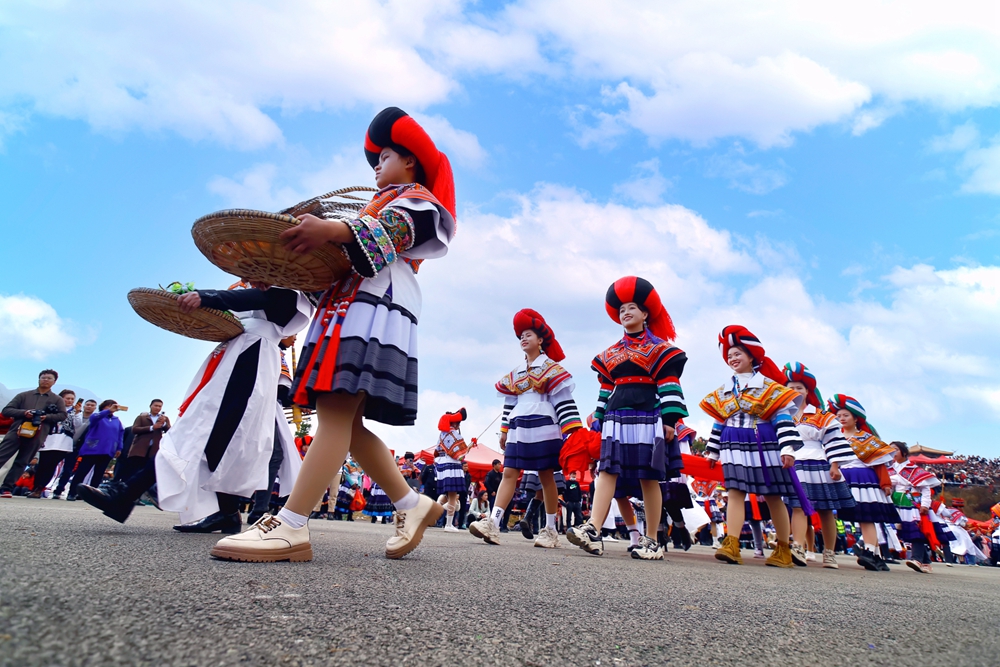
(394, 127)
(640, 291)
(736, 334)
(530, 319)
(449, 419)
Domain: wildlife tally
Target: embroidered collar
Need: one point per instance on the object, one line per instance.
(742, 381)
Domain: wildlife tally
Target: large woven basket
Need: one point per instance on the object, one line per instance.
(245, 243)
(160, 307)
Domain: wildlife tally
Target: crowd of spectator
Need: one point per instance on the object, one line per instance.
(57, 441)
(970, 471)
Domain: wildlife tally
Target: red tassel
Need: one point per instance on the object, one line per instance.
(927, 528)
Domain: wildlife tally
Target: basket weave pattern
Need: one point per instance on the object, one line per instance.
(161, 308)
(246, 243)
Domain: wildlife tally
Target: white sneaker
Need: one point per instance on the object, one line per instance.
(648, 549)
(758, 553)
(267, 541)
(547, 538)
(798, 555)
(716, 544)
(485, 530)
(450, 528)
(830, 560)
(410, 525)
(611, 538)
(812, 556)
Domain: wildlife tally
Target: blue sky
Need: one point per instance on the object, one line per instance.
(827, 176)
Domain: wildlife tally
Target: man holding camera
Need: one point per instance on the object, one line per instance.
(35, 412)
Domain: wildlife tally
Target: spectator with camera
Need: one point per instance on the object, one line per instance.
(35, 412)
(102, 443)
(58, 446)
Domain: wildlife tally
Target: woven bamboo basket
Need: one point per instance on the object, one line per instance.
(160, 307)
(246, 243)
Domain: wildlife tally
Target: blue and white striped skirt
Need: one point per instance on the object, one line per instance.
(378, 503)
(870, 504)
(533, 443)
(530, 484)
(742, 468)
(345, 496)
(450, 478)
(822, 491)
(633, 448)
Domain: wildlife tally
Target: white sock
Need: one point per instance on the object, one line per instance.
(407, 502)
(633, 533)
(550, 521)
(451, 518)
(497, 516)
(291, 519)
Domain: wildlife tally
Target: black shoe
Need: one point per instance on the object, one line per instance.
(71, 497)
(505, 529)
(868, 560)
(880, 564)
(228, 524)
(106, 502)
(253, 518)
(525, 528)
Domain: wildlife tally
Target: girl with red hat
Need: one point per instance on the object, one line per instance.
(359, 360)
(639, 403)
(538, 413)
(754, 418)
(817, 463)
(448, 455)
(868, 476)
(908, 478)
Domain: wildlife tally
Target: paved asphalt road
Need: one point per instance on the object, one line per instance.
(79, 589)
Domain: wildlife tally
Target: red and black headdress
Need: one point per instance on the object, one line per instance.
(450, 420)
(529, 319)
(737, 334)
(798, 372)
(394, 127)
(640, 291)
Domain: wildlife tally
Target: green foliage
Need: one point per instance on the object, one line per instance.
(178, 288)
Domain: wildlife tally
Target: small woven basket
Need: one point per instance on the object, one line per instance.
(246, 243)
(160, 307)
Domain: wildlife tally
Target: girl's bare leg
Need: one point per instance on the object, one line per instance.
(779, 517)
(550, 492)
(336, 414)
(735, 512)
(508, 485)
(800, 524)
(829, 522)
(652, 499)
(603, 495)
(870, 536)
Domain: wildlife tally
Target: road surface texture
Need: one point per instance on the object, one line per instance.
(78, 589)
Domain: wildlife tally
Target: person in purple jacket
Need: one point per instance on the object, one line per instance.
(102, 443)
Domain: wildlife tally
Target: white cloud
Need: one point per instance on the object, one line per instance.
(754, 179)
(225, 71)
(647, 185)
(461, 147)
(29, 327)
(980, 163)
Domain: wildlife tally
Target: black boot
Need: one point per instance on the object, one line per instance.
(111, 502)
(228, 524)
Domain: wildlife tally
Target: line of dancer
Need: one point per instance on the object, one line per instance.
(772, 435)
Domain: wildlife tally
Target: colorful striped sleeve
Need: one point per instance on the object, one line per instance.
(508, 404)
(836, 446)
(713, 447)
(567, 413)
(668, 388)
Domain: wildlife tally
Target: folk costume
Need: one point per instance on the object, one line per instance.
(362, 340)
(378, 505)
(867, 473)
(449, 452)
(754, 419)
(640, 391)
(823, 443)
(223, 438)
(539, 411)
(907, 478)
(364, 334)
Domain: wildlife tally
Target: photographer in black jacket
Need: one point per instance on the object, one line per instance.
(34, 412)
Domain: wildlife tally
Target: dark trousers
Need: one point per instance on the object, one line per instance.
(262, 498)
(574, 514)
(228, 504)
(97, 462)
(48, 461)
(67, 472)
(921, 552)
(22, 449)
